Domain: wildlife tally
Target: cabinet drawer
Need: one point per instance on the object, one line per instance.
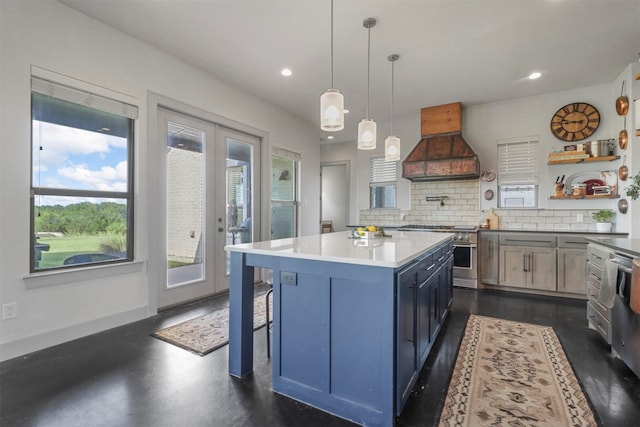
(425, 268)
(572, 242)
(601, 309)
(592, 291)
(531, 239)
(598, 322)
(594, 274)
(597, 256)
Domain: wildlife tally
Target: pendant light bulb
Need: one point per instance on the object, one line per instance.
(392, 143)
(332, 100)
(367, 127)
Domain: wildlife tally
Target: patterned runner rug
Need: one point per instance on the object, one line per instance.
(513, 374)
(209, 332)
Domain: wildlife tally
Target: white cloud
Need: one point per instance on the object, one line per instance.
(60, 142)
(106, 178)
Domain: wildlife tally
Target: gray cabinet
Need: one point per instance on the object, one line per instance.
(572, 261)
(488, 256)
(528, 261)
(598, 316)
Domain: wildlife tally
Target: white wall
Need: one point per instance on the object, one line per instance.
(51, 36)
(484, 124)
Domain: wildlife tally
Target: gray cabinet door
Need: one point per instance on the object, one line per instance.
(541, 268)
(513, 262)
(572, 270)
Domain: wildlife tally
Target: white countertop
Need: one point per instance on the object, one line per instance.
(394, 251)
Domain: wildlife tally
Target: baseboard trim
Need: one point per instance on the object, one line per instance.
(26, 345)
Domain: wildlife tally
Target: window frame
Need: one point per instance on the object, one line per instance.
(524, 175)
(105, 104)
(374, 184)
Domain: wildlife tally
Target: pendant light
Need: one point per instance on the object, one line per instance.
(392, 143)
(367, 127)
(332, 100)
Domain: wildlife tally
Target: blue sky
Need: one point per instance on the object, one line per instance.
(77, 159)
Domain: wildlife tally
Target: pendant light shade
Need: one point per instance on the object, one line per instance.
(392, 148)
(367, 127)
(367, 134)
(332, 110)
(332, 101)
(392, 143)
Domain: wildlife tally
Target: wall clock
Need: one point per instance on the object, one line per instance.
(575, 122)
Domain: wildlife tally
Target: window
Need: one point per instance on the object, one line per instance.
(382, 183)
(518, 173)
(284, 193)
(81, 177)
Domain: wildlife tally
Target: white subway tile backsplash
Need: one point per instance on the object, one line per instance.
(462, 207)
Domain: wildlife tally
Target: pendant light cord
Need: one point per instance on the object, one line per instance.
(331, 44)
(368, 69)
(392, 92)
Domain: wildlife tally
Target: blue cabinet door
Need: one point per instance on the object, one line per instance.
(407, 363)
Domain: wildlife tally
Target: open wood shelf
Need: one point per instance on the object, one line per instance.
(589, 159)
(597, 196)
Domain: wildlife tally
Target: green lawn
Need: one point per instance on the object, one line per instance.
(61, 248)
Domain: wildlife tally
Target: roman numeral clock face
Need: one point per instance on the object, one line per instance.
(575, 122)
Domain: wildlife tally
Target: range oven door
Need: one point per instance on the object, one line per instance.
(465, 260)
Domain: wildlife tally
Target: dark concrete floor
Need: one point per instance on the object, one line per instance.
(124, 377)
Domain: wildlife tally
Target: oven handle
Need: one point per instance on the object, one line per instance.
(623, 268)
(465, 245)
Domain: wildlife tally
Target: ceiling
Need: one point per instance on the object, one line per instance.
(473, 51)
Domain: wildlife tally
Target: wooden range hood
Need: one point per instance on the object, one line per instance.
(442, 153)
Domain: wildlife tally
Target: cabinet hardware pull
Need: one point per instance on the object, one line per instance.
(524, 262)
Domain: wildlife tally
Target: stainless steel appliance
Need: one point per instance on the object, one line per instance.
(625, 324)
(465, 251)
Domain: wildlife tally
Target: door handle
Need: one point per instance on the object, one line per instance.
(220, 229)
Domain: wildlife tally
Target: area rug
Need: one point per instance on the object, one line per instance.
(209, 332)
(513, 374)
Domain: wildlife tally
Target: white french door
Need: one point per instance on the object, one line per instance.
(199, 158)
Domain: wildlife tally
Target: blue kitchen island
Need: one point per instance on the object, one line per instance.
(354, 319)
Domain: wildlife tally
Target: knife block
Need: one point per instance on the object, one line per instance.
(559, 191)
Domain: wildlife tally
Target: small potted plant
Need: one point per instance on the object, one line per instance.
(603, 220)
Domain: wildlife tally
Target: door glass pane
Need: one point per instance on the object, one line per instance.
(185, 204)
(239, 193)
(283, 198)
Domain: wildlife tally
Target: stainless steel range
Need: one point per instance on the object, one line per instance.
(465, 251)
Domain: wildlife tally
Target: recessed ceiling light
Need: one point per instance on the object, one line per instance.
(535, 75)
(330, 137)
(286, 72)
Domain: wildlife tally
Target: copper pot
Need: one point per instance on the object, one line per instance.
(623, 137)
(623, 171)
(622, 103)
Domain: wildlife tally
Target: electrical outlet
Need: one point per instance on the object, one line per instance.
(580, 218)
(9, 310)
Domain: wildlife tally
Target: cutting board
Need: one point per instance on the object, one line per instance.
(494, 220)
